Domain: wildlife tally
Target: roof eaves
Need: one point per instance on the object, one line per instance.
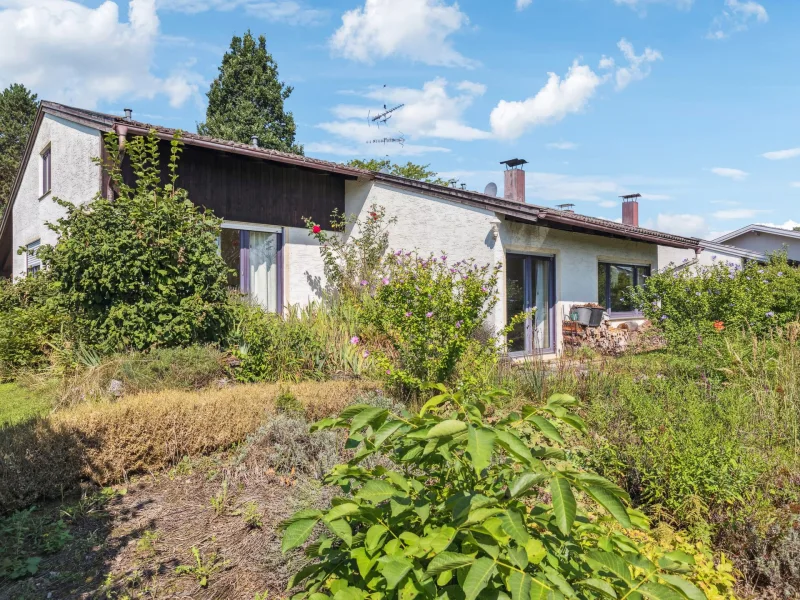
(759, 228)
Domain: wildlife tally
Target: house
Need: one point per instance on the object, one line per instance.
(550, 259)
(764, 240)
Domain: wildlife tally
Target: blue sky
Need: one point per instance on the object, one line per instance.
(693, 104)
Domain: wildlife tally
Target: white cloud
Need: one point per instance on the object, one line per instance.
(790, 224)
(74, 54)
(417, 30)
(608, 204)
(523, 4)
(606, 62)
(283, 11)
(638, 65)
(430, 112)
(795, 184)
(737, 16)
(735, 174)
(738, 213)
(562, 145)
(558, 98)
(680, 224)
(640, 5)
(561, 97)
(782, 154)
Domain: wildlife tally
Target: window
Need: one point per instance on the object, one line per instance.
(614, 280)
(254, 258)
(529, 285)
(32, 262)
(46, 171)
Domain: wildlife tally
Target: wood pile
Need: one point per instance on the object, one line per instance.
(603, 339)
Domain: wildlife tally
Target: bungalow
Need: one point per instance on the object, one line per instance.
(551, 258)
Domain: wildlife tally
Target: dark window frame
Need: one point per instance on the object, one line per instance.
(528, 301)
(33, 266)
(244, 259)
(606, 300)
(47, 170)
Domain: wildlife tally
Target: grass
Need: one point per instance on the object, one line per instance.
(18, 404)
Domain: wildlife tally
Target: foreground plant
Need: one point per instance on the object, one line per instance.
(473, 509)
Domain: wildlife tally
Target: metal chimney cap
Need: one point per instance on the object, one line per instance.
(128, 113)
(630, 197)
(254, 141)
(514, 163)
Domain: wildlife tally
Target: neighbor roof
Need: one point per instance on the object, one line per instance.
(759, 229)
(734, 251)
(529, 213)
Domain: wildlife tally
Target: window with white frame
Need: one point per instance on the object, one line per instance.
(33, 263)
(253, 254)
(47, 177)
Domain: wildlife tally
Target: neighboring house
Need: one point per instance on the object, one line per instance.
(550, 259)
(710, 253)
(764, 240)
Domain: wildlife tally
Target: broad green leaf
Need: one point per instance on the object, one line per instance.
(445, 428)
(364, 562)
(385, 431)
(612, 563)
(561, 400)
(432, 403)
(679, 556)
(599, 585)
(448, 561)
(440, 539)
(541, 590)
(297, 533)
(444, 578)
(342, 530)
(514, 526)
(303, 574)
(575, 422)
(519, 585)
(478, 577)
(525, 481)
(341, 510)
(560, 582)
(518, 556)
(611, 503)
(564, 505)
(374, 539)
(535, 551)
(479, 515)
(349, 593)
(377, 490)
(690, 590)
(514, 446)
(367, 417)
(547, 428)
(656, 591)
(351, 411)
(480, 442)
(394, 569)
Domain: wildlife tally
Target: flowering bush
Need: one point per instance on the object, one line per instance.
(353, 263)
(686, 304)
(430, 310)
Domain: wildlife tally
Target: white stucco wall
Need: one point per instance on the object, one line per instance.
(304, 276)
(767, 243)
(432, 225)
(75, 178)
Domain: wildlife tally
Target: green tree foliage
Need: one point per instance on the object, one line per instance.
(141, 270)
(17, 112)
(246, 99)
(466, 509)
(409, 170)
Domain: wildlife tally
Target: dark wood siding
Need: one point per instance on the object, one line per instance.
(240, 188)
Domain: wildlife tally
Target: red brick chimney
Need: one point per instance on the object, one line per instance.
(630, 209)
(514, 185)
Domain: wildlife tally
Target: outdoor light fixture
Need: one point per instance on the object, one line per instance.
(495, 228)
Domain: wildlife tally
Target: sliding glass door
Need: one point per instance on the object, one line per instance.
(253, 257)
(529, 286)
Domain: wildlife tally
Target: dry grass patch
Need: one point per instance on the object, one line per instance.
(108, 441)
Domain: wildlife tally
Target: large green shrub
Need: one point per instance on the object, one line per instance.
(143, 269)
(28, 324)
(470, 510)
(431, 309)
(687, 303)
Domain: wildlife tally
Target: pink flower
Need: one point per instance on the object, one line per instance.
(429, 315)
(316, 229)
(388, 371)
(458, 324)
(365, 354)
(385, 281)
(398, 253)
(408, 314)
(354, 340)
(364, 282)
(484, 289)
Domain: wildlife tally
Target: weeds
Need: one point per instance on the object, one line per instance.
(251, 515)
(222, 500)
(202, 569)
(24, 537)
(147, 543)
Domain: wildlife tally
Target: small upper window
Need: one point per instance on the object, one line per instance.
(46, 171)
(614, 280)
(33, 262)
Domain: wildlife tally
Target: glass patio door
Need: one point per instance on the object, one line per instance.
(253, 257)
(529, 285)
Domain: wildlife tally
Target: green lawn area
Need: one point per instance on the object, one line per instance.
(18, 404)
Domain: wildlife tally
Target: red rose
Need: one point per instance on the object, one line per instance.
(374, 215)
(316, 229)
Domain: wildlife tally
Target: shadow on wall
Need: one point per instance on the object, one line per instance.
(315, 284)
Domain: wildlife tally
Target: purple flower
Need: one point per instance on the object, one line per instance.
(664, 317)
(388, 371)
(484, 289)
(429, 314)
(685, 260)
(365, 354)
(780, 273)
(444, 257)
(452, 270)
(354, 340)
(458, 324)
(731, 276)
(770, 314)
(408, 314)
(385, 281)
(398, 252)
(714, 257)
(364, 282)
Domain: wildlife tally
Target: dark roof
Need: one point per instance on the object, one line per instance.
(525, 212)
(758, 229)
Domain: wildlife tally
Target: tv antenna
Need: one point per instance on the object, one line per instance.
(389, 140)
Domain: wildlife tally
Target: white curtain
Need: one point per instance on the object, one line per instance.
(541, 282)
(264, 269)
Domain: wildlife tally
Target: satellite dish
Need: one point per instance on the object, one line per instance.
(491, 189)
(385, 170)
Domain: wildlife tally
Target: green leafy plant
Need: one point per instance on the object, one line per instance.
(25, 536)
(409, 170)
(202, 569)
(473, 509)
(142, 269)
(251, 515)
(146, 544)
(430, 309)
(221, 501)
(288, 404)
